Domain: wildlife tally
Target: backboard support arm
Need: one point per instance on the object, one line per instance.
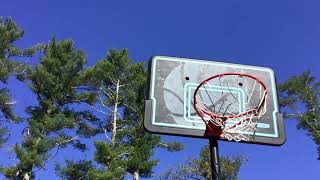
(214, 156)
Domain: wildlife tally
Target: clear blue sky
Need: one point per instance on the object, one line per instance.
(283, 35)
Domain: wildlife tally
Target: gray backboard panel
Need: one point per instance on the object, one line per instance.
(169, 104)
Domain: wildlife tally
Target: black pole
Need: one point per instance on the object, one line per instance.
(214, 155)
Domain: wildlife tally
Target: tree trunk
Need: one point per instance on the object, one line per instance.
(114, 114)
(22, 174)
(136, 175)
(26, 176)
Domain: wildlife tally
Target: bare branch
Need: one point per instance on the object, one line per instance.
(305, 120)
(10, 103)
(66, 141)
(105, 133)
(111, 90)
(314, 128)
(122, 85)
(129, 151)
(112, 80)
(294, 115)
(104, 105)
(51, 157)
(129, 107)
(108, 94)
(79, 100)
(99, 110)
(163, 144)
(43, 165)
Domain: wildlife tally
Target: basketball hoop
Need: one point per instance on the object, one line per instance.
(231, 104)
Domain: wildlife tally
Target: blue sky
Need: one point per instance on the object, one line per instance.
(283, 35)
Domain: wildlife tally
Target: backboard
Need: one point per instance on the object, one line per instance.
(169, 106)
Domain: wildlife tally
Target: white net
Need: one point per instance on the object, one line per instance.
(233, 102)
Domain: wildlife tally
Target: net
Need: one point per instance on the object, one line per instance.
(231, 105)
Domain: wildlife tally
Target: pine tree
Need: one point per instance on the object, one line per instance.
(139, 163)
(54, 82)
(112, 78)
(120, 86)
(10, 33)
(200, 168)
(299, 98)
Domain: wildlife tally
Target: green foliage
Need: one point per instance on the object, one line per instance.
(143, 144)
(85, 170)
(200, 168)
(120, 86)
(3, 136)
(113, 156)
(75, 170)
(102, 174)
(80, 146)
(6, 105)
(299, 98)
(9, 34)
(107, 154)
(230, 167)
(132, 142)
(115, 68)
(110, 154)
(171, 146)
(54, 81)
